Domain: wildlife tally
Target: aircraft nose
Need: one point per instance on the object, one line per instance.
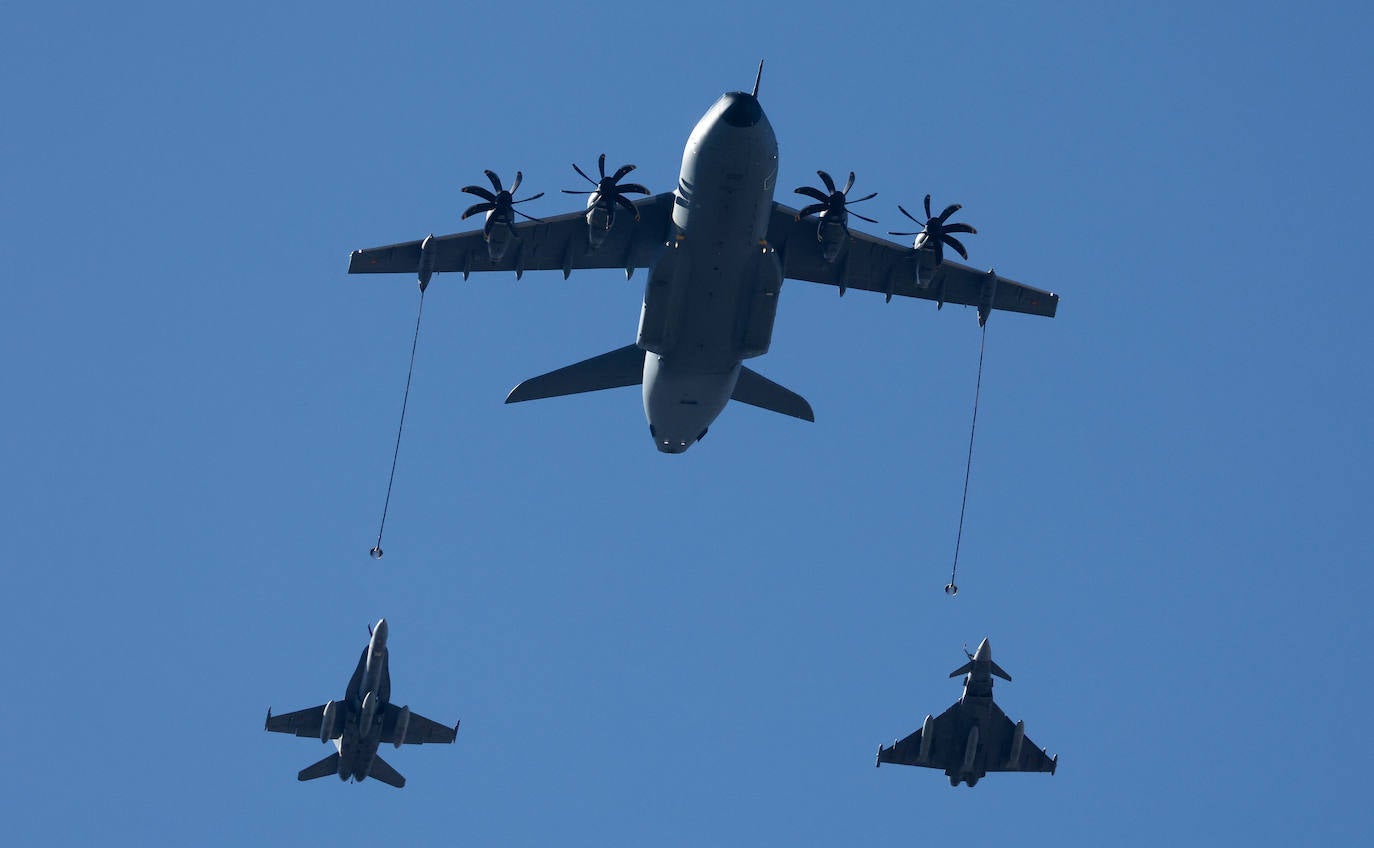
(984, 651)
(379, 632)
(743, 109)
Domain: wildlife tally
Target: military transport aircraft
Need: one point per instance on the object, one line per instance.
(974, 736)
(717, 249)
(364, 719)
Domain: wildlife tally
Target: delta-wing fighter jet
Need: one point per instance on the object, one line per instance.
(974, 736)
(362, 721)
(718, 248)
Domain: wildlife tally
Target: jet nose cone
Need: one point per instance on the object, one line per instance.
(984, 651)
(379, 632)
(742, 110)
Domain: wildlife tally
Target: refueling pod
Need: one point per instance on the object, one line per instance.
(369, 712)
(402, 724)
(327, 721)
(927, 737)
(971, 750)
(1018, 736)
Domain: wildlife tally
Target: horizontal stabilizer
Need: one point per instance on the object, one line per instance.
(382, 770)
(757, 390)
(329, 765)
(621, 367)
(967, 668)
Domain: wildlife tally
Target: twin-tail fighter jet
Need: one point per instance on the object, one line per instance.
(717, 248)
(362, 721)
(974, 736)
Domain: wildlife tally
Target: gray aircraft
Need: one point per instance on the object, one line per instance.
(974, 736)
(362, 721)
(717, 249)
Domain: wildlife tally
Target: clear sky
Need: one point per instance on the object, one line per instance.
(1168, 537)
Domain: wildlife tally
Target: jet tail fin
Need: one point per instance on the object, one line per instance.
(329, 765)
(757, 390)
(382, 770)
(621, 367)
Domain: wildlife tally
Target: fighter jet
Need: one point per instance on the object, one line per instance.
(363, 720)
(974, 736)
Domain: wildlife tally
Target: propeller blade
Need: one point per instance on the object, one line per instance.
(950, 210)
(848, 185)
(893, 233)
(815, 207)
(529, 217)
(628, 205)
(578, 191)
(516, 187)
(601, 165)
(813, 193)
(902, 209)
(477, 208)
(620, 172)
(928, 207)
(954, 243)
(863, 217)
(528, 199)
(960, 228)
(480, 192)
(633, 188)
(495, 181)
(862, 199)
(829, 183)
(584, 174)
(938, 246)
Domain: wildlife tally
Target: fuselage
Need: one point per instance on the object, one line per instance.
(368, 692)
(712, 295)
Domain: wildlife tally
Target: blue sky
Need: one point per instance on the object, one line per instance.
(1168, 536)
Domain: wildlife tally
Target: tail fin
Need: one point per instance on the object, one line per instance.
(329, 765)
(757, 390)
(382, 770)
(621, 367)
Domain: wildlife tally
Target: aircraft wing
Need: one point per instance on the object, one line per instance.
(302, 722)
(418, 731)
(1032, 758)
(553, 244)
(878, 265)
(944, 749)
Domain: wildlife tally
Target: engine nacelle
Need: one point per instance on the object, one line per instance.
(402, 724)
(971, 749)
(831, 232)
(328, 720)
(369, 712)
(600, 220)
(927, 737)
(498, 237)
(1018, 736)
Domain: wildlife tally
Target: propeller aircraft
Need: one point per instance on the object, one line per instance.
(717, 249)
